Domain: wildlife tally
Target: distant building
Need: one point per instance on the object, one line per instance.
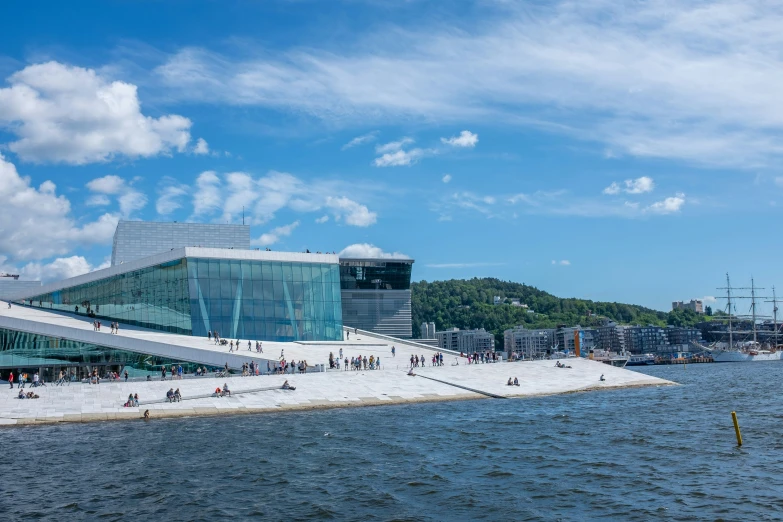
(427, 330)
(466, 341)
(497, 300)
(139, 239)
(694, 305)
(566, 337)
(683, 335)
(528, 343)
(645, 339)
(610, 337)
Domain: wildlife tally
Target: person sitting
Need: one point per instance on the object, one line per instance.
(218, 392)
(226, 391)
(602, 378)
(21, 394)
(170, 395)
(510, 382)
(136, 400)
(516, 381)
(410, 372)
(149, 377)
(177, 395)
(287, 386)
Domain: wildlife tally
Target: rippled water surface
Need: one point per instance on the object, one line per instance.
(666, 453)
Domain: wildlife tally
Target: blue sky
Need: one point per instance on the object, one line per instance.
(618, 151)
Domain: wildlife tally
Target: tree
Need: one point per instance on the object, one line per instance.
(708, 310)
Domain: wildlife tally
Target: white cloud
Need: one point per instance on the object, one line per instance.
(465, 139)
(639, 185)
(128, 198)
(670, 205)
(169, 197)
(367, 250)
(202, 147)
(322, 219)
(707, 299)
(207, 196)
(361, 140)
(562, 262)
(779, 181)
(632, 186)
(65, 114)
(352, 212)
(37, 223)
(61, 268)
(400, 158)
(446, 178)
(640, 78)
(394, 146)
(274, 235)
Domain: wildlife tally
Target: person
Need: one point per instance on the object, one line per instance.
(177, 395)
(346, 364)
(179, 372)
(129, 402)
(146, 414)
(136, 400)
(163, 373)
(410, 372)
(602, 377)
(231, 347)
(218, 392)
(348, 334)
(170, 395)
(516, 381)
(21, 395)
(116, 328)
(209, 335)
(226, 391)
(341, 353)
(377, 363)
(510, 382)
(248, 347)
(394, 351)
(287, 386)
(149, 377)
(126, 375)
(11, 379)
(261, 346)
(9, 305)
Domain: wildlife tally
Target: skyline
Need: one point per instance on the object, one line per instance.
(616, 152)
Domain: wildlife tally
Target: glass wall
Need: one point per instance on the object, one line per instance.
(154, 297)
(265, 300)
(375, 275)
(31, 353)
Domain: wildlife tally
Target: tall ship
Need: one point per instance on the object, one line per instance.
(745, 345)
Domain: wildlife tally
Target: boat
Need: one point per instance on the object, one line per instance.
(645, 359)
(610, 358)
(751, 350)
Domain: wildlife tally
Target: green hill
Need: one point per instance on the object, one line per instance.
(469, 304)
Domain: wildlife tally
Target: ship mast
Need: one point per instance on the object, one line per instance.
(774, 315)
(753, 309)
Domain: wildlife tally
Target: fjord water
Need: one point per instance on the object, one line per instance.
(661, 453)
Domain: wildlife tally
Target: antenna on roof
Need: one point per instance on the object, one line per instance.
(243, 214)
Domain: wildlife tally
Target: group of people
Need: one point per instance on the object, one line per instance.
(115, 327)
(22, 379)
(481, 357)
(28, 395)
(234, 345)
(417, 361)
(222, 392)
(515, 382)
(359, 363)
(133, 401)
(173, 395)
(287, 367)
(558, 364)
(176, 372)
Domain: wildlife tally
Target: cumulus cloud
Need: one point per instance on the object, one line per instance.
(400, 158)
(393, 146)
(562, 262)
(128, 198)
(274, 235)
(351, 212)
(466, 139)
(361, 140)
(202, 147)
(60, 268)
(37, 223)
(64, 114)
(446, 178)
(322, 219)
(367, 250)
(263, 197)
(670, 205)
(631, 186)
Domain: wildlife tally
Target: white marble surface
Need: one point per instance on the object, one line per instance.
(84, 402)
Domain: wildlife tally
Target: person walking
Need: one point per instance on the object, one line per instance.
(209, 335)
(11, 378)
(126, 375)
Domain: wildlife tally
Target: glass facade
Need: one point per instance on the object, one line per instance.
(375, 275)
(154, 297)
(266, 300)
(247, 299)
(31, 352)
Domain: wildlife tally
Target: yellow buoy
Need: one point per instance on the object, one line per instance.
(736, 428)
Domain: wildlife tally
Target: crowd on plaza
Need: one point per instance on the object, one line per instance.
(481, 357)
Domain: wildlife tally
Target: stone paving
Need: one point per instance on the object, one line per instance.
(85, 402)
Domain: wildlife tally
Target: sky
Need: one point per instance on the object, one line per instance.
(616, 150)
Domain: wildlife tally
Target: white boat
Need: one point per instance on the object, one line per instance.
(644, 359)
(749, 351)
(610, 358)
(746, 355)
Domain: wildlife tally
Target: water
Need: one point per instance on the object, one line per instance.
(665, 453)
